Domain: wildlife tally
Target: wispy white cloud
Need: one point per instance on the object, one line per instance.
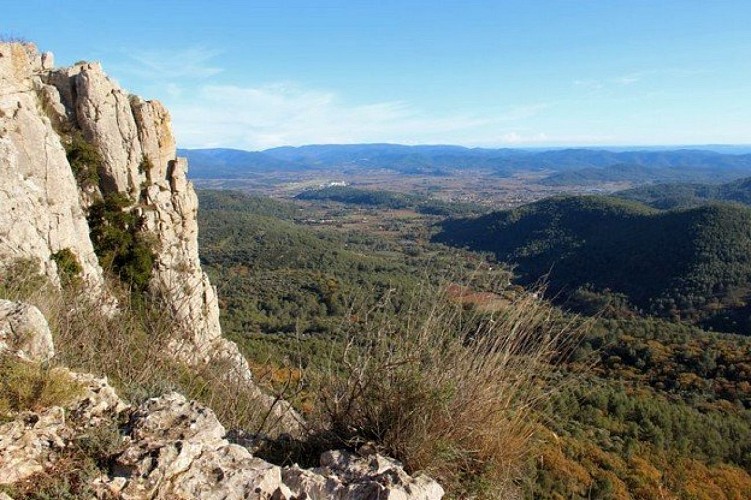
(634, 77)
(285, 113)
(628, 79)
(156, 65)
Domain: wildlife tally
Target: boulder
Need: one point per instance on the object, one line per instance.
(348, 476)
(176, 449)
(33, 440)
(24, 332)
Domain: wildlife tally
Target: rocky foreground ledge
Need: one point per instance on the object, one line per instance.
(169, 447)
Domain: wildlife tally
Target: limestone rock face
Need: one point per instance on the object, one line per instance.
(176, 449)
(24, 332)
(155, 135)
(138, 149)
(40, 213)
(346, 476)
(42, 210)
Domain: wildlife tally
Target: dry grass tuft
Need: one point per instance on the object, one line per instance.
(32, 386)
(452, 393)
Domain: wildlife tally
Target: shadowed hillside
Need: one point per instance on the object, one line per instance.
(690, 264)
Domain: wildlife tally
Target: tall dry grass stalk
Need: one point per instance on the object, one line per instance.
(134, 347)
(451, 392)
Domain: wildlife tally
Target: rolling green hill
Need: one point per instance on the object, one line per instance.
(642, 174)
(683, 195)
(691, 264)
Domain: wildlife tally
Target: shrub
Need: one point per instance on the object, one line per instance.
(120, 243)
(68, 267)
(145, 166)
(84, 160)
(456, 396)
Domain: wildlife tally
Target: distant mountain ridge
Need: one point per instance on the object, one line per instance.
(581, 165)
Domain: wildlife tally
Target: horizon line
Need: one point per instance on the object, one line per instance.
(695, 146)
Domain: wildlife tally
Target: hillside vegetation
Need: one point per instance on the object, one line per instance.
(682, 195)
(655, 408)
(389, 199)
(641, 174)
(689, 264)
(277, 276)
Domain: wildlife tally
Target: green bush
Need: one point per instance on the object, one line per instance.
(84, 160)
(119, 242)
(68, 267)
(145, 166)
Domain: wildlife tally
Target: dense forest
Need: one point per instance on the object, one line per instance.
(279, 276)
(690, 265)
(657, 406)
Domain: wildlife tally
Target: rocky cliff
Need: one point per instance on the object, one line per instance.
(43, 207)
(73, 144)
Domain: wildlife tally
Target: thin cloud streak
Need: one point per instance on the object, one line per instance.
(287, 114)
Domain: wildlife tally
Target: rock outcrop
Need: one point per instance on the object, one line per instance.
(40, 213)
(348, 476)
(43, 210)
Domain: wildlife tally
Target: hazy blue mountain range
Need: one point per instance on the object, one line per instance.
(580, 166)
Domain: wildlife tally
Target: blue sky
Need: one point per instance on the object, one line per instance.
(257, 74)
